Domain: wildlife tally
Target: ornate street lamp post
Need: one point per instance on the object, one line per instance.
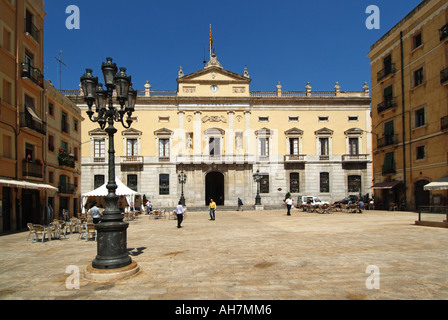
(111, 240)
(257, 178)
(182, 180)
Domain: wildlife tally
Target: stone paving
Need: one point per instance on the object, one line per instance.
(255, 255)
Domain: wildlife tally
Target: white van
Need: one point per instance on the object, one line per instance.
(303, 200)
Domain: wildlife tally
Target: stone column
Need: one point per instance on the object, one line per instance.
(230, 139)
(197, 137)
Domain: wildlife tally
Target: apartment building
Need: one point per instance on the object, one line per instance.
(410, 108)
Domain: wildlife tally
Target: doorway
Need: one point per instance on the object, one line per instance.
(6, 207)
(214, 188)
(30, 207)
(421, 196)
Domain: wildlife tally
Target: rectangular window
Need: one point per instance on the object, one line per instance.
(323, 144)
(164, 148)
(417, 41)
(64, 122)
(7, 92)
(418, 77)
(389, 163)
(214, 146)
(420, 117)
(131, 147)
(294, 185)
(29, 151)
(354, 184)
(353, 146)
(264, 184)
(7, 40)
(51, 109)
(51, 176)
(7, 146)
(324, 182)
(388, 94)
(98, 180)
(387, 65)
(75, 125)
(323, 118)
(99, 151)
(263, 147)
(64, 146)
(132, 181)
(294, 146)
(420, 153)
(164, 184)
(389, 133)
(293, 119)
(51, 143)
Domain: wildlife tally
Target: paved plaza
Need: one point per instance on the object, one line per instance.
(255, 255)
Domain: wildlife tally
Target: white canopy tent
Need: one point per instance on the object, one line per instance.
(441, 184)
(122, 190)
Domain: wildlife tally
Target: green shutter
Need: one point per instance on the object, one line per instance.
(388, 161)
(389, 128)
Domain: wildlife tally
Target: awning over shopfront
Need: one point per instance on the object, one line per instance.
(386, 185)
(26, 185)
(441, 184)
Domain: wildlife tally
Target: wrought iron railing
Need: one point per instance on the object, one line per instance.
(387, 140)
(34, 74)
(32, 168)
(32, 30)
(385, 72)
(27, 121)
(388, 103)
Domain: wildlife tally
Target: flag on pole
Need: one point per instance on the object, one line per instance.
(210, 45)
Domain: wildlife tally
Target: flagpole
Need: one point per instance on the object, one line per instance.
(210, 45)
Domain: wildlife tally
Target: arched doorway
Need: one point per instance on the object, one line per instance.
(421, 195)
(214, 188)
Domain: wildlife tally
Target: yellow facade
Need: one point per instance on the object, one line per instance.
(220, 133)
(411, 148)
(26, 159)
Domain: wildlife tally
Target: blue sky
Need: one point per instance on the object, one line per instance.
(291, 41)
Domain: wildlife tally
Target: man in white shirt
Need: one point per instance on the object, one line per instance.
(180, 214)
(288, 205)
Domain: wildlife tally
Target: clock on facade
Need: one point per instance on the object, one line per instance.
(214, 88)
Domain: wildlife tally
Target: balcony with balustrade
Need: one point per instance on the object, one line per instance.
(32, 168)
(33, 74)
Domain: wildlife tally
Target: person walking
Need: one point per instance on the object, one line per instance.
(212, 208)
(180, 214)
(288, 205)
(240, 204)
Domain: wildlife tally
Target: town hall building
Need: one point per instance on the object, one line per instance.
(219, 133)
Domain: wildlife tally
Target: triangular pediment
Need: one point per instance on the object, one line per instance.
(213, 81)
(131, 132)
(97, 132)
(215, 75)
(163, 132)
(293, 131)
(324, 131)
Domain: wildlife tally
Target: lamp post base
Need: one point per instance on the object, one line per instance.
(111, 245)
(103, 275)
